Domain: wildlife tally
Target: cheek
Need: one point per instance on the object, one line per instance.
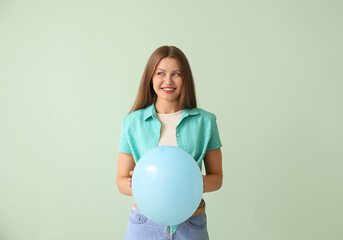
(155, 83)
(180, 83)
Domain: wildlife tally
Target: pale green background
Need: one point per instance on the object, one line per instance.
(270, 70)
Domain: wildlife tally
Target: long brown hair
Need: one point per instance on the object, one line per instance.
(146, 94)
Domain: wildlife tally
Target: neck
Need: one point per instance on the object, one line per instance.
(166, 107)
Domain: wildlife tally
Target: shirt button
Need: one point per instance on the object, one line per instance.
(178, 134)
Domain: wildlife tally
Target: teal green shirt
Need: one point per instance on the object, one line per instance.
(196, 132)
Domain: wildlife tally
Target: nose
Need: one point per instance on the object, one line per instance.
(169, 79)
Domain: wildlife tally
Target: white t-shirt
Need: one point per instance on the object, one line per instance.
(169, 123)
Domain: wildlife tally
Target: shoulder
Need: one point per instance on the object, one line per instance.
(206, 115)
(139, 117)
(135, 116)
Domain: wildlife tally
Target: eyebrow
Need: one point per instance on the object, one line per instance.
(172, 71)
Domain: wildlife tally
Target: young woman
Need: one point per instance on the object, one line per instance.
(165, 113)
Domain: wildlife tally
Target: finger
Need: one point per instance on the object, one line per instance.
(204, 183)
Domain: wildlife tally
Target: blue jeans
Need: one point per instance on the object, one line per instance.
(141, 228)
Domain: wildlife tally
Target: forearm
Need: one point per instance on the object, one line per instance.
(123, 185)
(212, 182)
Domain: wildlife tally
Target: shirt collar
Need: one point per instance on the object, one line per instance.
(150, 112)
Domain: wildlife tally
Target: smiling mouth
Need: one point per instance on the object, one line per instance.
(168, 89)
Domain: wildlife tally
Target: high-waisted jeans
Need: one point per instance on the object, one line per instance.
(141, 228)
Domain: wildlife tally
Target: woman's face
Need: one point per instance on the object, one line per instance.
(167, 80)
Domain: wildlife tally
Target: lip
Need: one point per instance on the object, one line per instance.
(170, 89)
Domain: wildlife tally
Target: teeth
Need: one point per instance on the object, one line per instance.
(168, 89)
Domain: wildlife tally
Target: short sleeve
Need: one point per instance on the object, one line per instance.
(214, 141)
(124, 144)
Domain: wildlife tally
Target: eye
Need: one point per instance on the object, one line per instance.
(160, 73)
(176, 74)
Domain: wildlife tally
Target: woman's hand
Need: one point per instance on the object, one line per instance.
(204, 183)
(130, 179)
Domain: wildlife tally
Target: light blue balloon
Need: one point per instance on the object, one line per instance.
(167, 185)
